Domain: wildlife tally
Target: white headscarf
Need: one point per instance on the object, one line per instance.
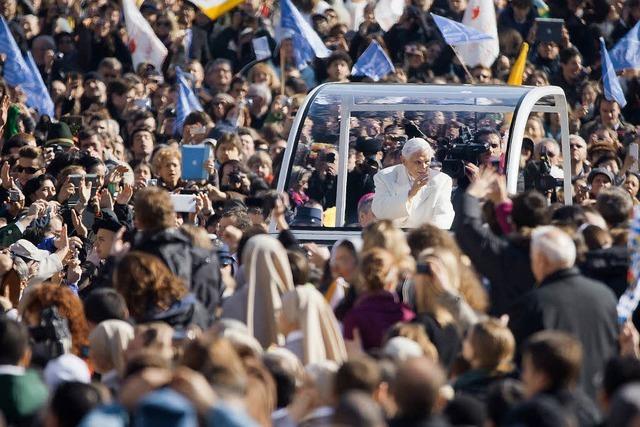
(108, 342)
(268, 276)
(322, 340)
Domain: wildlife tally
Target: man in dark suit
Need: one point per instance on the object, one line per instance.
(565, 300)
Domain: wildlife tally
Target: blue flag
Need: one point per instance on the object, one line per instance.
(455, 33)
(373, 63)
(626, 53)
(612, 89)
(307, 44)
(41, 94)
(187, 101)
(18, 73)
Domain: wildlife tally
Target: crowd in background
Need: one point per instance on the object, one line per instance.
(119, 308)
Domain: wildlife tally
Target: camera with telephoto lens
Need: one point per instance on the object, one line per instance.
(51, 338)
(455, 153)
(537, 175)
(235, 177)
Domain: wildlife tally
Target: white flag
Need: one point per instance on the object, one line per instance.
(144, 45)
(388, 12)
(261, 48)
(481, 15)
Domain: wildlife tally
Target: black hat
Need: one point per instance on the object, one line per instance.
(600, 171)
(368, 145)
(148, 6)
(306, 215)
(59, 133)
(92, 75)
(107, 220)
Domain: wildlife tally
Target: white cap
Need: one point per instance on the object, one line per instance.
(402, 348)
(66, 368)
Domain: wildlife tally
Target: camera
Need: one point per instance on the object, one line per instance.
(455, 153)
(14, 195)
(51, 338)
(235, 177)
(537, 175)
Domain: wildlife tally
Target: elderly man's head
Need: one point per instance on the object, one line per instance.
(551, 250)
(416, 157)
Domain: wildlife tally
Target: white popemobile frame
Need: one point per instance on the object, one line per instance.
(360, 97)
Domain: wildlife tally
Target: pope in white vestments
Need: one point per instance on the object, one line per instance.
(411, 194)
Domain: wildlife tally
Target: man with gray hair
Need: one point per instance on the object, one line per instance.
(412, 194)
(565, 300)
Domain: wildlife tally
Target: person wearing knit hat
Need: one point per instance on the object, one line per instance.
(598, 179)
(59, 134)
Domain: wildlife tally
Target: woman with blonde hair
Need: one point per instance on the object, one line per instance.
(310, 327)
(167, 166)
(489, 348)
(257, 302)
(263, 73)
(442, 302)
(383, 234)
(108, 343)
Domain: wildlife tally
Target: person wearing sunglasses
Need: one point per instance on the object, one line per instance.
(29, 165)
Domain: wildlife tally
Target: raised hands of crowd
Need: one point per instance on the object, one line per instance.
(5, 177)
(116, 175)
(629, 340)
(204, 208)
(67, 190)
(84, 192)
(5, 103)
(481, 187)
(125, 195)
(119, 247)
(78, 226)
(216, 194)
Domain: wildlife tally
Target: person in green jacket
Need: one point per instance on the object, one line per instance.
(23, 392)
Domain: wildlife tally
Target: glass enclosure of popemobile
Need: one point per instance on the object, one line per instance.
(322, 147)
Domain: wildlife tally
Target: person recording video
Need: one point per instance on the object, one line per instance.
(412, 194)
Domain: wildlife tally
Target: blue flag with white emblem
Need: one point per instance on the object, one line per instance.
(612, 89)
(626, 53)
(455, 33)
(18, 73)
(373, 63)
(307, 44)
(187, 100)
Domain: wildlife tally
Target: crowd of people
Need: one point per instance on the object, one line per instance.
(122, 307)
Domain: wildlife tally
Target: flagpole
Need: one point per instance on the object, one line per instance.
(282, 65)
(466, 70)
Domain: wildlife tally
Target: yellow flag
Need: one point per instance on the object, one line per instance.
(517, 69)
(215, 8)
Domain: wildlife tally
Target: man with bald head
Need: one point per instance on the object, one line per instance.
(567, 301)
(412, 194)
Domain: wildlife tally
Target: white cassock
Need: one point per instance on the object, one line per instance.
(431, 205)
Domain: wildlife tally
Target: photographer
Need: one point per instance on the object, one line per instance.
(360, 179)
(412, 194)
(324, 180)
